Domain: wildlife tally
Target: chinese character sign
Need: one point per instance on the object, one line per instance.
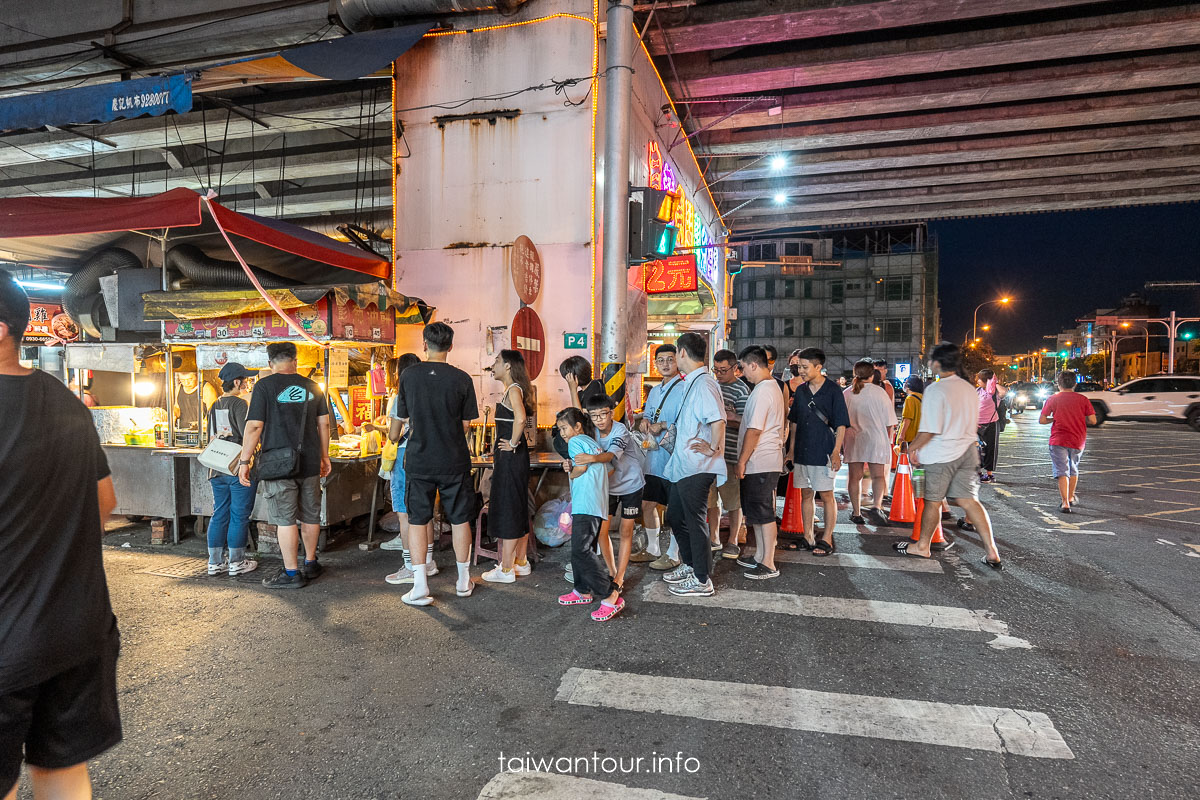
(674, 274)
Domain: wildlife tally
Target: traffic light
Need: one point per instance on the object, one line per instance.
(651, 232)
(733, 261)
(1062, 353)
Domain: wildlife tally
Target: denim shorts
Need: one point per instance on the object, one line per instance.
(1065, 460)
(399, 482)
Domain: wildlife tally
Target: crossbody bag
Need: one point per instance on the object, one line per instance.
(283, 462)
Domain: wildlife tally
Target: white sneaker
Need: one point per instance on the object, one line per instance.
(497, 575)
(402, 575)
(242, 567)
(692, 588)
(464, 592)
(569, 575)
(523, 571)
(218, 569)
(392, 544)
(430, 568)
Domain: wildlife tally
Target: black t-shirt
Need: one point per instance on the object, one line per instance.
(288, 406)
(593, 389)
(54, 609)
(227, 419)
(436, 399)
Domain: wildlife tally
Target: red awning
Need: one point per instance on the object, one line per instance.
(62, 232)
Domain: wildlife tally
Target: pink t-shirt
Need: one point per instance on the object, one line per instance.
(1070, 412)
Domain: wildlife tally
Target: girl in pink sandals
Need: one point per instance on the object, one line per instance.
(589, 512)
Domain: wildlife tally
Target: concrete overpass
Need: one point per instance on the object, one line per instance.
(827, 112)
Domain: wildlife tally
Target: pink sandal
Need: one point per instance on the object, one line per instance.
(574, 599)
(606, 612)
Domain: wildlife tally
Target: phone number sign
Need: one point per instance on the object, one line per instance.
(673, 274)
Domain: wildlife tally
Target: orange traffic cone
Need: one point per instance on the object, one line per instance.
(793, 517)
(938, 537)
(895, 462)
(903, 508)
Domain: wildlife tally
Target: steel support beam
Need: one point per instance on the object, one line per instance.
(1089, 37)
(618, 97)
(1074, 112)
(751, 22)
(941, 94)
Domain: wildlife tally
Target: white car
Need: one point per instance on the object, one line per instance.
(1161, 397)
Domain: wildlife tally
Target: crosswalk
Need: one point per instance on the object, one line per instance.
(676, 693)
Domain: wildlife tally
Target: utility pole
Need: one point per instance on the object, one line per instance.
(618, 91)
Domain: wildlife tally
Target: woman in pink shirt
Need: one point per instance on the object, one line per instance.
(990, 393)
(1068, 415)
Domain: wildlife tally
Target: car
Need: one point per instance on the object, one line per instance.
(898, 386)
(1027, 394)
(1157, 398)
(1089, 386)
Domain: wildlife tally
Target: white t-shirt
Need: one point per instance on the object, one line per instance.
(765, 412)
(950, 410)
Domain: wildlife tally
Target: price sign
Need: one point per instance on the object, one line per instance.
(673, 274)
(574, 341)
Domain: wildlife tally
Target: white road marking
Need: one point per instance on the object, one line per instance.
(1165, 541)
(860, 560)
(856, 609)
(996, 730)
(556, 786)
(1080, 530)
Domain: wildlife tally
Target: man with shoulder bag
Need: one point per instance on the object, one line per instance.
(290, 417)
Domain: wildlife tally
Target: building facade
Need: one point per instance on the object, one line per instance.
(870, 294)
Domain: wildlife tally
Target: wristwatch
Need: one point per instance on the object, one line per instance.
(242, 461)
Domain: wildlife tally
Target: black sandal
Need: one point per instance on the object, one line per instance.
(823, 548)
(787, 544)
(993, 564)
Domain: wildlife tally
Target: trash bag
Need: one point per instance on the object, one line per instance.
(552, 522)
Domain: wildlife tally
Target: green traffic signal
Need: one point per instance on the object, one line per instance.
(1062, 354)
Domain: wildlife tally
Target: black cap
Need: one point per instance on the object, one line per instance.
(233, 370)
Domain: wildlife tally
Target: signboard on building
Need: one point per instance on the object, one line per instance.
(40, 315)
(339, 367)
(672, 274)
(903, 370)
(574, 341)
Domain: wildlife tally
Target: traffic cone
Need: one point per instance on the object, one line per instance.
(903, 507)
(938, 537)
(895, 464)
(793, 516)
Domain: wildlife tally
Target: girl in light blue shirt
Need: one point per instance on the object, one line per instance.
(589, 512)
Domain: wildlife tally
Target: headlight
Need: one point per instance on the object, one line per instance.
(1022, 399)
(1042, 393)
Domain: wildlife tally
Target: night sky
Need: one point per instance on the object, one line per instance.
(1060, 266)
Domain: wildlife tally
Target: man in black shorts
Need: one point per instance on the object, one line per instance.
(58, 635)
(438, 401)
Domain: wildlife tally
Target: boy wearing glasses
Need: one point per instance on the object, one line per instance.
(625, 481)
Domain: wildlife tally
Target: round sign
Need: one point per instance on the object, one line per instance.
(526, 270)
(529, 337)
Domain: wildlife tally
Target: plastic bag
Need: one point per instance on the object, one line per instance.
(552, 522)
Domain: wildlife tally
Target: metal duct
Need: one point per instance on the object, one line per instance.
(202, 270)
(81, 294)
(357, 15)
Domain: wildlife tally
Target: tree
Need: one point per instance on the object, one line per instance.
(977, 357)
(1092, 366)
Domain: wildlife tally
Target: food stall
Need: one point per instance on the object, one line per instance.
(354, 326)
(214, 278)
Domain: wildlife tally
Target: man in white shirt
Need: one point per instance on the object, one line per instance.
(760, 459)
(697, 459)
(662, 407)
(946, 449)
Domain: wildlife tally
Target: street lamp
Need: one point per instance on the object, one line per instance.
(1003, 301)
(1146, 357)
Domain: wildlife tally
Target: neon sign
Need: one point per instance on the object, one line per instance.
(692, 231)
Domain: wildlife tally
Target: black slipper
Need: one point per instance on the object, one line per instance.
(993, 564)
(823, 548)
(1064, 510)
(787, 545)
(902, 549)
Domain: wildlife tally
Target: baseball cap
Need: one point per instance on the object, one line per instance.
(233, 370)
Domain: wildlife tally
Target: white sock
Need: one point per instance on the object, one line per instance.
(652, 545)
(429, 553)
(420, 584)
(464, 574)
(407, 559)
(673, 550)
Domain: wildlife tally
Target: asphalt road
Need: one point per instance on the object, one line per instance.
(1071, 674)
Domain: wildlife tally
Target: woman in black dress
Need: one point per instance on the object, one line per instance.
(508, 505)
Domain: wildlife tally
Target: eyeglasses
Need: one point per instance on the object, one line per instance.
(723, 370)
(665, 360)
(600, 414)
